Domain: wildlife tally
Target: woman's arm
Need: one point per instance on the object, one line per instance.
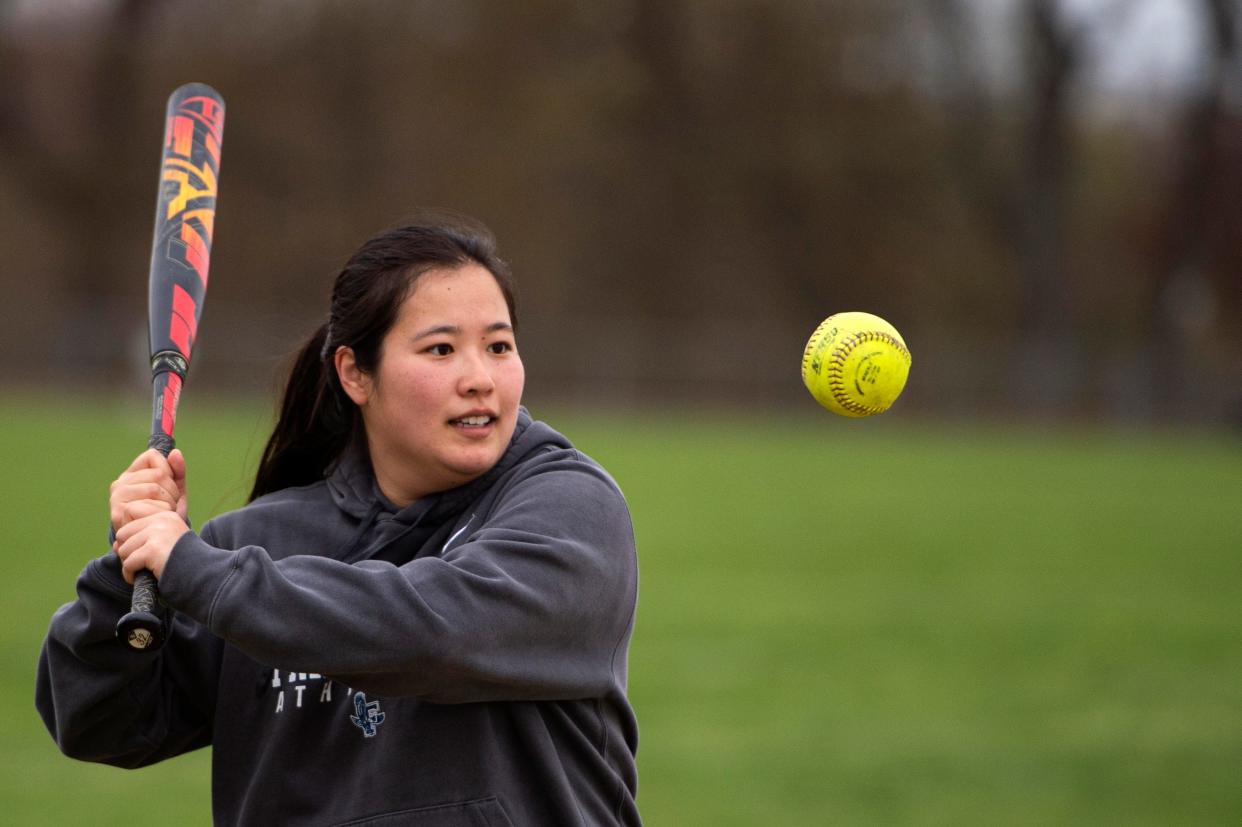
(538, 603)
(104, 702)
(101, 700)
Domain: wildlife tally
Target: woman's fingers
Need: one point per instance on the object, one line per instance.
(146, 486)
(176, 466)
(176, 463)
(163, 477)
(150, 477)
(126, 498)
(147, 507)
(137, 509)
(146, 542)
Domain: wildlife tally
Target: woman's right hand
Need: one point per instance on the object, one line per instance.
(152, 483)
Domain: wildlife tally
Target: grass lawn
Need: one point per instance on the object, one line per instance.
(840, 622)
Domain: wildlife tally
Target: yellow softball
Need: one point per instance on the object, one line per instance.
(855, 364)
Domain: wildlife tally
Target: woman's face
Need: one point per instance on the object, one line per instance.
(442, 405)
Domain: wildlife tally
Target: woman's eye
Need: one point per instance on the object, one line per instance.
(500, 347)
(440, 349)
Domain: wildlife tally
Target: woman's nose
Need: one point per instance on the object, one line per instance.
(476, 375)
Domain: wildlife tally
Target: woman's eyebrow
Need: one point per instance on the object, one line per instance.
(452, 329)
(436, 330)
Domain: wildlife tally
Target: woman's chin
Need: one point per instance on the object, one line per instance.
(469, 465)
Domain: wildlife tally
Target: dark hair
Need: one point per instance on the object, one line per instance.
(317, 420)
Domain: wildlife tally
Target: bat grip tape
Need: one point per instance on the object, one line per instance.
(142, 629)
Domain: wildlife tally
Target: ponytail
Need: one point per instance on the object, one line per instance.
(314, 426)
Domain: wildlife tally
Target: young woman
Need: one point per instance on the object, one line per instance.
(423, 615)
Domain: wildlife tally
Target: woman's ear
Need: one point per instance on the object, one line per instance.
(354, 380)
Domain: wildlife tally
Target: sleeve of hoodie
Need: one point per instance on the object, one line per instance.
(537, 603)
(104, 702)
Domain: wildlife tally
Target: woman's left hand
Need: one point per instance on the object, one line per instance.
(146, 542)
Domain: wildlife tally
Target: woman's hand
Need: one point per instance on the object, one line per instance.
(150, 485)
(146, 542)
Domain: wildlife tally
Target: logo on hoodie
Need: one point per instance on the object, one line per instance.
(368, 716)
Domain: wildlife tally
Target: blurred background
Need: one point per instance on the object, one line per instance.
(1042, 195)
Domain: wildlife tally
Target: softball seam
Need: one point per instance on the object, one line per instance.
(810, 361)
(836, 365)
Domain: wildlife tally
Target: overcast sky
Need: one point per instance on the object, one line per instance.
(1139, 47)
(1153, 45)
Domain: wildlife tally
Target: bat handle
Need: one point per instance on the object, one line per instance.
(142, 629)
(162, 443)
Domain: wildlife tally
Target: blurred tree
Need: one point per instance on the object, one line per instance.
(1020, 153)
(1014, 164)
(67, 140)
(685, 189)
(1049, 355)
(1191, 276)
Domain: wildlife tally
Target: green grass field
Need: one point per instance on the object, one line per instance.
(840, 622)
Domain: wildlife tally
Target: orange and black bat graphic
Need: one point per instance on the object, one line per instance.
(184, 220)
(185, 214)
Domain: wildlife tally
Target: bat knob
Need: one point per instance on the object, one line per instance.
(141, 631)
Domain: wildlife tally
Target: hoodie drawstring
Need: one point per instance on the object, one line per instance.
(351, 548)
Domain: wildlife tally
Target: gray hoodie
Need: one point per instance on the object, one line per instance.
(458, 661)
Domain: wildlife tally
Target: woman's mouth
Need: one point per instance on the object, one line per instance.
(478, 421)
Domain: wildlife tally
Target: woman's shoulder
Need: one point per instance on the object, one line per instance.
(295, 503)
(564, 472)
(316, 491)
(541, 447)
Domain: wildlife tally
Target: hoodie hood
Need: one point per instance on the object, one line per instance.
(355, 491)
